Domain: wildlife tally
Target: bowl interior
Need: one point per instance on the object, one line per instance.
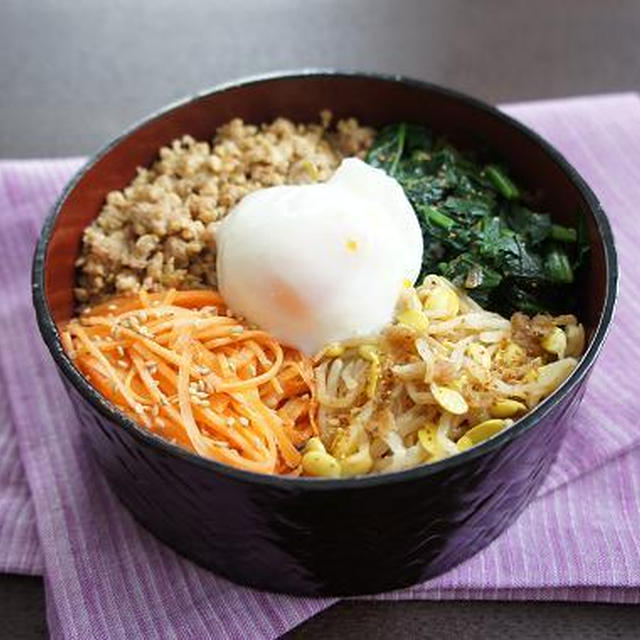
(373, 100)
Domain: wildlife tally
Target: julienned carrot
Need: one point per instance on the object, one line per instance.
(180, 365)
(192, 299)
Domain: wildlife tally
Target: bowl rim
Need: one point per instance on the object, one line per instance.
(52, 340)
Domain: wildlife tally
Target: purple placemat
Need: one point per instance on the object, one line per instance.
(107, 577)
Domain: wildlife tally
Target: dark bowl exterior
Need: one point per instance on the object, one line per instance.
(338, 541)
(310, 536)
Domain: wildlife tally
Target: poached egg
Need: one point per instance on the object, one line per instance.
(320, 263)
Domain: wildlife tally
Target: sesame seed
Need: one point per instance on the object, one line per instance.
(243, 421)
(122, 364)
(120, 351)
(231, 422)
(138, 408)
(160, 422)
(112, 307)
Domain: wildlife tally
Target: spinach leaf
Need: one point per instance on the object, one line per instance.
(478, 228)
(557, 266)
(502, 182)
(465, 272)
(536, 227)
(469, 207)
(387, 148)
(417, 138)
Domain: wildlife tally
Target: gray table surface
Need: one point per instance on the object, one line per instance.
(74, 73)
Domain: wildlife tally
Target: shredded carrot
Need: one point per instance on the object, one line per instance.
(179, 364)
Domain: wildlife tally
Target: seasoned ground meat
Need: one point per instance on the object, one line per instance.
(158, 232)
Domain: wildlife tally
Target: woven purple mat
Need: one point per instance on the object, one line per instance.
(107, 578)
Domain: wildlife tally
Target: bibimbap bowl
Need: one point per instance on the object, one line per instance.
(323, 536)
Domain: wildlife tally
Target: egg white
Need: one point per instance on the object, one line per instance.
(315, 264)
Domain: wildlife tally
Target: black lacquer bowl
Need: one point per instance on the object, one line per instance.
(316, 536)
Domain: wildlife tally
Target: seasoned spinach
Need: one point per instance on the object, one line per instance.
(478, 228)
